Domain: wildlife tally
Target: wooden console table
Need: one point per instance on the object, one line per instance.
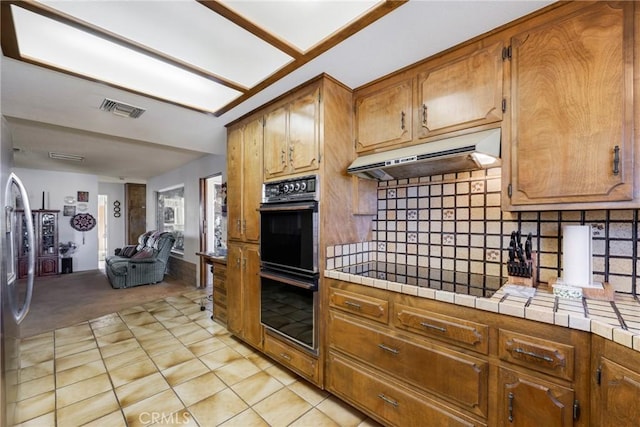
(208, 259)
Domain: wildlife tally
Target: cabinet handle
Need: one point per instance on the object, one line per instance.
(244, 264)
(353, 305)
(291, 154)
(390, 401)
(238, 262)
(424, 114)
(389, 349)
(402, 120)
(510, 407)
(238, 226)
(282, 157)
(430, 326)
(285, 356)
(616, 160)
(534, 355)
(244, 226)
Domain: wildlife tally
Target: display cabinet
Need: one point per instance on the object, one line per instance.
(47, 259)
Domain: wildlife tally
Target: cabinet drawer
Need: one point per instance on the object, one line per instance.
(538, 354)
(361, 305)
(448, 374)
(386, 400)
(219, 298)
(464, 333)
(220, 313)
(289, 356)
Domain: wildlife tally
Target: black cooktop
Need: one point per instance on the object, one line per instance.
(453, 281)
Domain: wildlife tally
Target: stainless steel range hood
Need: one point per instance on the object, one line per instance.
(478, 150)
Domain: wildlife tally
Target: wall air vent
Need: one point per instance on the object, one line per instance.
(64, 156)
(121, 109)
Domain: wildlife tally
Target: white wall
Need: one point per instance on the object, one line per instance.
(115, 226)
(189, 175)
(57, 186)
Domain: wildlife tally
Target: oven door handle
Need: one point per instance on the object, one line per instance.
(313, 206)
(289, 281)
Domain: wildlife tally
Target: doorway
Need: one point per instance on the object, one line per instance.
(213, 217)
(103, 248)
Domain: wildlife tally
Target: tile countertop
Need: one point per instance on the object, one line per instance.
(617, 320)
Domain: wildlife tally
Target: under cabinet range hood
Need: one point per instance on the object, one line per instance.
(478, 150)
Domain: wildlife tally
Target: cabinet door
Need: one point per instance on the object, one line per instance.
(234, 182)
(383, 118)
(252, 180)
(464, 93)
(619, 396)
(572, 106)
(48, 234)
(526, 401)
(234, 288)
(252, 329)
(276, 145)
(304, 129)
(48, 266)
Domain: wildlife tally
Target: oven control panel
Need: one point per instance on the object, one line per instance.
(300, 188)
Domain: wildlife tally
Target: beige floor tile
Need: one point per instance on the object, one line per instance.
(242, 348)
(166, 313)
(73, 360)
(221, 357)
(138, 319)
(104, 321)
(131, 310)
(151, 328)
(36, 356)
(283, 375)
(236, 371)
(282, 407)
(218, 408)
(35, 387)
(260, 360)
(369, 423)
(173, 358)
(35, 407)
(185, 371)
(195, 336)
(308, 392)
(314, 418)
(79, 373)
(205, 346)
(246, 418)
(157, 407)
(161, 345)
(75, 347)
(48, 419)
(199, 388)
(87, 410)
(129, 373)
(140, 389)
(159, 333)
(109, 329)
(36, 371)
(126, 358)
(191, 309)
(44, 339)
(73, 334)
(114, 419)
(340, 412)
(184, 329)
(119, 347)
(114, 337)
(256, 387)
(176, 322)
(82, 390)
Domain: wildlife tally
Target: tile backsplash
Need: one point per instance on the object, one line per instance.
(454, 222)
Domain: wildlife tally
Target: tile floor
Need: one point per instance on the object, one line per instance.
(164, 363)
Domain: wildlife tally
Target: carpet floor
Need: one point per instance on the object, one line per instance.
(67, 299)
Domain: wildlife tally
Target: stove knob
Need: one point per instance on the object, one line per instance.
(303, 186)
(297, 186)
(287, 188)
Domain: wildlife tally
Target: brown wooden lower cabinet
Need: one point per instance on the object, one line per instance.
(386, 400)
(297, 360)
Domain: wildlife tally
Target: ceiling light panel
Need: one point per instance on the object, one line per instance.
(303, 23)
(185, 30)
(49, 42)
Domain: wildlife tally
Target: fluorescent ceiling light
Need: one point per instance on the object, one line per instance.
(64, 156)
(52, 43)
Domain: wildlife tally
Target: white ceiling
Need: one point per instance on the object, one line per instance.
(50, 111)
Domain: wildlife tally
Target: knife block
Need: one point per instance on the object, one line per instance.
(517, 278)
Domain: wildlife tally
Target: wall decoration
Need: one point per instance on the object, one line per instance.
(83, 196)
(82, 207)
(83, 222)
(69, 200)
(69, 210)
(116, 209)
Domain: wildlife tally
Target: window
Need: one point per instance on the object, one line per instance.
(170, 214)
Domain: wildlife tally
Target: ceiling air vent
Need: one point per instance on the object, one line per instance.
(121, 109)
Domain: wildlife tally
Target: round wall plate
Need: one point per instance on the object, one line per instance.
(82, 207)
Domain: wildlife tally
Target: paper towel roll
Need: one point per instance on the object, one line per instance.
(576, 255)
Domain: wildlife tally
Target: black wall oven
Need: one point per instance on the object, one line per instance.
(289, 260)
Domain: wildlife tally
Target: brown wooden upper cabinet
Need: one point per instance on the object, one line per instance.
(571, 136)
(383, 118)
(462, 93)
(291, 136)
